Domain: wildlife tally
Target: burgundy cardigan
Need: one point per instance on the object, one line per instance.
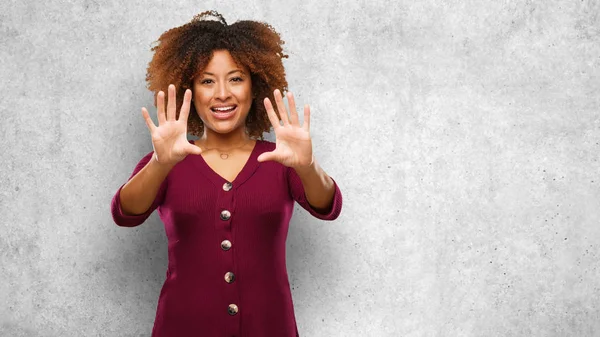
(226, 273)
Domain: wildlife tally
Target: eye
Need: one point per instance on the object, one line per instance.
(237, 79)
(204, 81)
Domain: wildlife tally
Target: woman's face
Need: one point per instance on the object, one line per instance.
(224, 86)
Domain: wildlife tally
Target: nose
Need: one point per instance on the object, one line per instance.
(222, 91)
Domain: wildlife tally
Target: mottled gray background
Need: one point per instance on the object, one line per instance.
(464, 136)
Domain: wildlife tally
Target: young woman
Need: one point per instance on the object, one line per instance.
(225, 199)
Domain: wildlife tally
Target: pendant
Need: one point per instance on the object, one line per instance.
(224, 155)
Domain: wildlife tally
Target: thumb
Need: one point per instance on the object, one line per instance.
(266, 156)
(192, 149)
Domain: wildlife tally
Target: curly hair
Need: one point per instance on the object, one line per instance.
(184, 52)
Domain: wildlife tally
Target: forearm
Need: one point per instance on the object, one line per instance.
(138, 194)
(318, 186)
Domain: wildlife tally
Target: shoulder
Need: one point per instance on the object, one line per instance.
(265, 145)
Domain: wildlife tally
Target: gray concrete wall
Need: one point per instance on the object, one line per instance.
(465, 137)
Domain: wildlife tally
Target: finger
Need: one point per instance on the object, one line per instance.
(281, 107)
(148, 120)
(193, 149)
(185, 107)
(306, 125)
(271, 113)
(266, 156)
(171, 104)
(160, 108)
(293, 112)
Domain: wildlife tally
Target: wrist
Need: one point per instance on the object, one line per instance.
(163, 167)
(306, 168)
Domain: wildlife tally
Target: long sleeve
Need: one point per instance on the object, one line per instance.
(297, 192)
(125, 220)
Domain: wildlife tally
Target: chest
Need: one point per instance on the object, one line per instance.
(260, 204)
(227, 168)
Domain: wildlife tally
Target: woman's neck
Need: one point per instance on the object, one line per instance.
(214, 140)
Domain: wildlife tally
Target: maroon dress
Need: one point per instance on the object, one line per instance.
(226, 273)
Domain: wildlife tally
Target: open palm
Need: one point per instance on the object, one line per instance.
(169, 139)
(293, 145)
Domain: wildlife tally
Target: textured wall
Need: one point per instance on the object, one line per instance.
(464, 135)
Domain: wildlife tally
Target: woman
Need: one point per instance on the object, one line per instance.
(226, 199)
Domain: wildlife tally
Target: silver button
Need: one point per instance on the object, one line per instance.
(226, 245)
(229, 277)
(232, 309)
(227, 186)
(225, 215)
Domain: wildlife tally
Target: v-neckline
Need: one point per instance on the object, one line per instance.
(247, 170)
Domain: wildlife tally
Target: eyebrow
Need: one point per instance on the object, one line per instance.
(231, 72)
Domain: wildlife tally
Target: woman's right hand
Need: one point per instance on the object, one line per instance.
(169, 139)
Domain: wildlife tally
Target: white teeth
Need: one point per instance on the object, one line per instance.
(224, 109)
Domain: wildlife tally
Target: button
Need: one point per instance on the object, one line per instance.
(233, 309)
(229, 277)
(225, 215)
(227, 186)
(226, 245)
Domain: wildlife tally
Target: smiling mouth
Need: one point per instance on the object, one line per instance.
(224, 109)
(224, 113)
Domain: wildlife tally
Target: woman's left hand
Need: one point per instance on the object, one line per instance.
(293, 146)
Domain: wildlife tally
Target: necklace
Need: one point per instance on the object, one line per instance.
(225, 154)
